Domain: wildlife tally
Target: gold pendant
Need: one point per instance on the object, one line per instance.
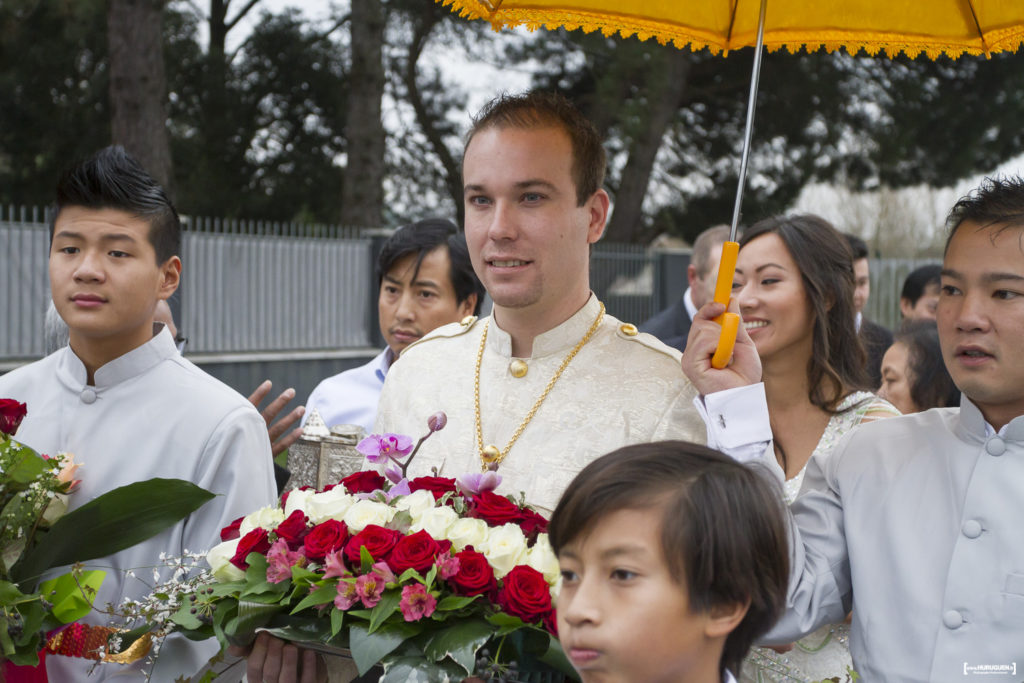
(518, 368)
(490, 454)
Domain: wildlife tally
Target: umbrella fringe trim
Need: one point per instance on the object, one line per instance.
(891, 44)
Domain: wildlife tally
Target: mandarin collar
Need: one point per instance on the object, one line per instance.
(71, 370)
(974, 423)
(556, 340)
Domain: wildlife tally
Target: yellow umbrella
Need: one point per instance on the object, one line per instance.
(935, 27)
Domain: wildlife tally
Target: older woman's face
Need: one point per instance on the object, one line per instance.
(897, 378)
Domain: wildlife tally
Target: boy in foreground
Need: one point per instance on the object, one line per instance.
(674, 560)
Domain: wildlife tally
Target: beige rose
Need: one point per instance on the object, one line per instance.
(366, 512)
(542, 558)
(416, 503)
(467, 531)
(219, 559)
(298, 500)
(331, 504)
(504, 547)
(435, 521)
(265, 518)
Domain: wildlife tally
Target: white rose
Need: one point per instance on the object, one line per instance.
(366, 512)
(504, 548)
(266, 518)
(331, 504)
(298, 500)
(416, 503)
(467, 531)
(542, 558)
(219, 559)
(435, 521)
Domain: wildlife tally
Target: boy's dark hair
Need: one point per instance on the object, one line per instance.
(421, 238)
(930, 383)
(540, 109)
(918, 281)
(858, 247)
(997, 200)
(723, 530)
(113, 179)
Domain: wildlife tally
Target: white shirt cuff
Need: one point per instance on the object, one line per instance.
(737, 421)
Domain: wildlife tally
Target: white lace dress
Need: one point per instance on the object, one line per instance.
(824, 654)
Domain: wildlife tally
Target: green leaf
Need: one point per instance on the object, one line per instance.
(387, 606)
(337, 619)
(460, 641)
(408, 575)
(184, 617)
(28, 465)
(321, 596)
(555, 657)
(505, 622)
(431, 575)
(116, 520)
(72, 599)
(452, 603)
(415, 670)
(365, 560)
(251, 616)
(369, 649)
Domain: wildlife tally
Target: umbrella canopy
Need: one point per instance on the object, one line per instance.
(953, 27)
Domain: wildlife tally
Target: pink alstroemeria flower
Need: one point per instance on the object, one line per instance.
(334, 564)
(416, 602)
(370, 588)
(379, 448)
(475, 483)
(447, 565)
(280, 561)
(382, 570)
(347, 595)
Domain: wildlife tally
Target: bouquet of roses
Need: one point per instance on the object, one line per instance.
(429, 575)
(37, 533)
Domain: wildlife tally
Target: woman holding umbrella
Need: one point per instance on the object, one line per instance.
(794, 285)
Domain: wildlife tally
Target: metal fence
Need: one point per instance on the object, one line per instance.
(281, 288)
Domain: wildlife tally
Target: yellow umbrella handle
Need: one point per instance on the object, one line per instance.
(730, 322)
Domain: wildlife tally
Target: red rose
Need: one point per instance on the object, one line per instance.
(494, 508)
(475, 576)
(525, 594)
(293, 529)
(324, 538)
(255, 541)
(532, 523)
(11, 414)
(436, 485)
(377, 540)
(230, 532)
(363, 482)
(416, 551)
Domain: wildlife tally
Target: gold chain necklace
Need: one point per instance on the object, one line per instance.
(490, 455)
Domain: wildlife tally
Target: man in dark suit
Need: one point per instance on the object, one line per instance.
(672, 325)
(876, 339)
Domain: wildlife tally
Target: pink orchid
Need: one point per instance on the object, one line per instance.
(334, 564)
(347, 595)
(447, 565)
(475, 483)
(379, 448)
(394, 473)
(370, 588)
(280, 561)
(417, 603)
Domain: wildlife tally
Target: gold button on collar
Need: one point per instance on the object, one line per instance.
(518, 368)
(468, 320)
(629, 329)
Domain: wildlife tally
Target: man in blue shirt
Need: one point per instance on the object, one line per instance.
(426, 280)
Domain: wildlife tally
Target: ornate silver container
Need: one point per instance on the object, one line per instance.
(324, 456)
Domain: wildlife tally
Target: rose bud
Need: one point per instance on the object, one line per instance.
(437, 421)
